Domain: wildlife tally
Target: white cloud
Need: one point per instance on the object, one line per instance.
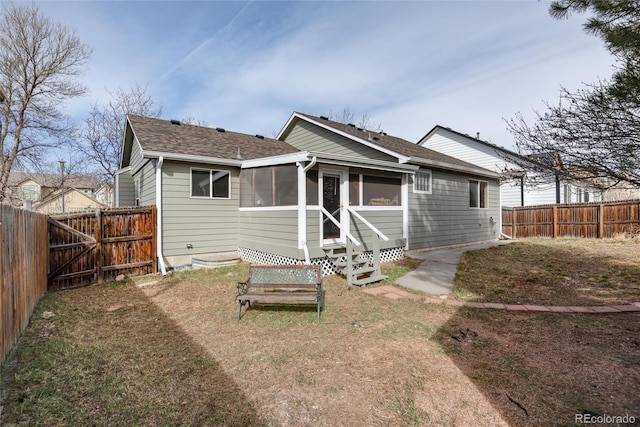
(410, 65)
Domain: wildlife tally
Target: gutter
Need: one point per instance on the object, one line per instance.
(190, 158)
(163, 267)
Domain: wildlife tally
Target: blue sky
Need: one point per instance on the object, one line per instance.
(246, 67)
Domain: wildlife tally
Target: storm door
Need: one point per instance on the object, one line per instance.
(333, 201)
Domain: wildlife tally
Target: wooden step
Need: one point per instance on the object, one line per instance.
(364, 270)
(370, 279)
(354, 263)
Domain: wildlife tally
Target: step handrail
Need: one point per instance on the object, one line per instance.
(337, 224)
(368, 224)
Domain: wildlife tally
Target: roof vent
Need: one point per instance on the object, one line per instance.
(175, 122)
(260, 136)
(375, 138)
(324, 117)
(351, 124)
(220, 129)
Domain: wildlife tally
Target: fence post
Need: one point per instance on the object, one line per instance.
(514, 223)
(98, 234)
(601, 221)
(555, 222)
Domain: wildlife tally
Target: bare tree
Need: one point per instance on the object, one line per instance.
(596, 135)
(595, 131)
(190, 120)
(104, 128)
(40, 61)
(348, 116)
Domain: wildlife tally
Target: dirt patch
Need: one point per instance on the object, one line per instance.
(174, 353)
(371, 361)
(543, 369)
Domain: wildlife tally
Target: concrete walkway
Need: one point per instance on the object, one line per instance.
(436, 273)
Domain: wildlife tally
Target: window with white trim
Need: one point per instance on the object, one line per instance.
(136, 191)
(422, 182)
(210, 183)
(478, 194)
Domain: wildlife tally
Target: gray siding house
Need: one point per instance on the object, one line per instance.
(519, 187)
(320, 187)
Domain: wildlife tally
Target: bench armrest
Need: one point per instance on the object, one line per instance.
(243, 288)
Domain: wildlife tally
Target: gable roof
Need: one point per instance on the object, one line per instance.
(179, 141)
(549, 160)
(405, 151)
(58, 195)
(477, 140)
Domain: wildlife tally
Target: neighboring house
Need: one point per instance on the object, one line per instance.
(105, 194)
(618, 191)
(75, 200)
(518, 187)
(33, 189)
(320, 186)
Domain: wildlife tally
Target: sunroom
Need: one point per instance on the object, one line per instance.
(305, 206)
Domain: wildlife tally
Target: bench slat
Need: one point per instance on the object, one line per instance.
(283, 286)
(273, 296)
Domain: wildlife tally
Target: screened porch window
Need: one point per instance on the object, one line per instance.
(269, 186)
(210, 183)
(312, 187)
(375, 190)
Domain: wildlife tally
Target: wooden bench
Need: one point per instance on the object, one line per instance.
(288, 284)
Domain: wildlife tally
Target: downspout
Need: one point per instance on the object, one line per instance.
(163, 267)
(302, 208)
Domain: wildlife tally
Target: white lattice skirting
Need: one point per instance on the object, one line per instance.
(328, 268)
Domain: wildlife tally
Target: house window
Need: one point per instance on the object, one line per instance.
(271, 186)
(210, 183)
(30, 192)
(422, 182)
(136, 192)
(567, 193)
(478, 193)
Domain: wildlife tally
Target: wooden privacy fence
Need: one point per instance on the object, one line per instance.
(588, 220)
(23, 270)
(86, 248)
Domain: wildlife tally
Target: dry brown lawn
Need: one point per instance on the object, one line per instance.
(174, 353)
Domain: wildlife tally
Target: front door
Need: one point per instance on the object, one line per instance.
(333, 201)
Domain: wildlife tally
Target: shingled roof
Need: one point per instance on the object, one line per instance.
(394, 144)
(170, 136)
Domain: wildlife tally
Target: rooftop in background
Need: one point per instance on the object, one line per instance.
(51, 180)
